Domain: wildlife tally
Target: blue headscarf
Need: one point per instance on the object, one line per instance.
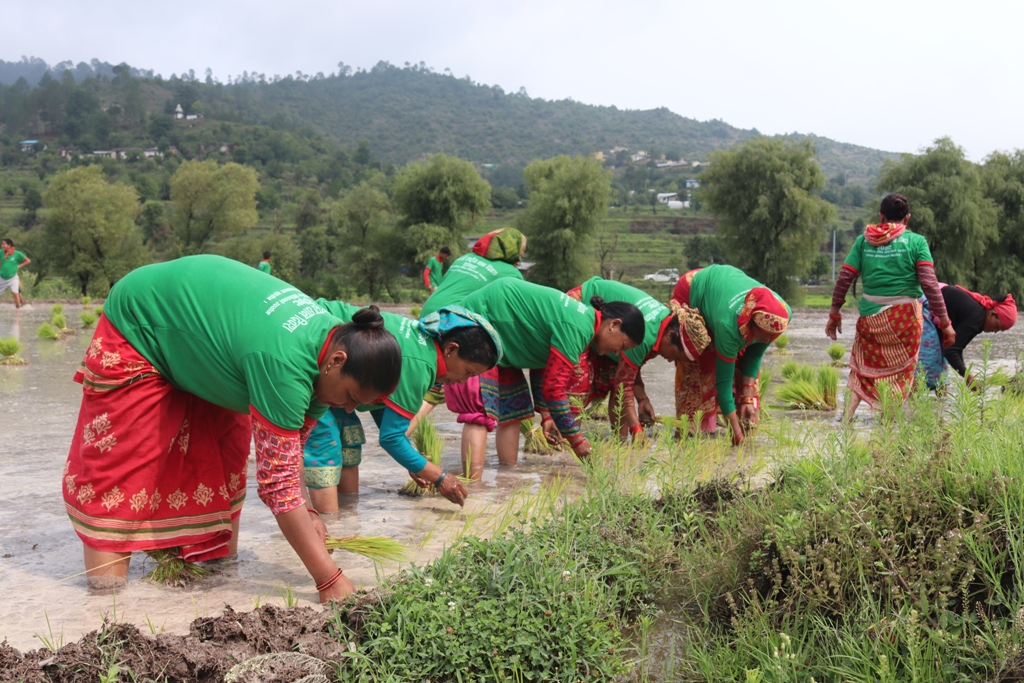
(448, 318)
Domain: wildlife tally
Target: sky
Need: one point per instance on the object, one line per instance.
(893, 75)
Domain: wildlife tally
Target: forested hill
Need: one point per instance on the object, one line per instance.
(407, 113)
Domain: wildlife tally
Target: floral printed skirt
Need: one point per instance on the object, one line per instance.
(885, 349)
(335, 441)
(151, 466)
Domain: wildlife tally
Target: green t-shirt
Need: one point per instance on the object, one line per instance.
(419, 357)
(436, 271)
(232, 336)
(656, 314)
(889, 270)
(9, 264)
(532, 319)
(718, 292)
(264, 267)
(466, 275)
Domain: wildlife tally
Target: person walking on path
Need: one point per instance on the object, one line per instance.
(264, 265)
(896, 268)
(11, 260)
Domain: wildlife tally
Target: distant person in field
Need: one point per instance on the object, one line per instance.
(971, 314)
(11, 260)
(264, 265)
(896, 267)
(741, 317)
(433, 273)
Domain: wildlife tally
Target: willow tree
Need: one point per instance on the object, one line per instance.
(567, 198)
(443, 191)
(948, 207)
(210, 201)
(764, 194)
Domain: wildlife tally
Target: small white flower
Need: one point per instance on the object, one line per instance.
(429, 582)
(566, 575)
(451, 606)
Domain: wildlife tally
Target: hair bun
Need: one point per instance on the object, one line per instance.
(596, 302)
(368, 318)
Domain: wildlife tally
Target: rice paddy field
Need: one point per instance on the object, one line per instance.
(889, 549)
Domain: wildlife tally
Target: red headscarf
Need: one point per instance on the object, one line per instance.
(765, 310)
(505, 245)
(882, 234)
(1005, 309)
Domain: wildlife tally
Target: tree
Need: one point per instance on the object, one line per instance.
(764, 197)
(308, 213)
(361, 220)
(91, 234)
(567, 197)
(444, 191)
(1002, 267)
(32, 203)
(948, 206)
(210, 201)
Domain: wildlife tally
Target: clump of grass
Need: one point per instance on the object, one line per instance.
(88, 319)
(59, 322)
(835, 351)
(86, 300)
(47, 331)
(806, 390)
(533, 437)
(763, 380)
(57, 309)
(415, 311)
(428, 442)
(99, 311)
(376, 548)
(171, 570)
(781, 342)
(10, 347)
(789, 368)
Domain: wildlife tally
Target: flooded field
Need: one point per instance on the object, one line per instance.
(41, 557)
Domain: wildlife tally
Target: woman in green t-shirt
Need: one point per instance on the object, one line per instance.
(742, 317)
(618, 377)
(192, 360)
(546, 332)
(449, 345)
(896, 267)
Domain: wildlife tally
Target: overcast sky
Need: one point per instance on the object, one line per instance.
(892, 74)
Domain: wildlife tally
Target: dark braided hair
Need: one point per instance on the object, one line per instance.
(895, 207)
(632, 319)
(475, 345)
(374, 357)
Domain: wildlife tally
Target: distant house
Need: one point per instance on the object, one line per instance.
(692, 183)
(179, 113)
(193, 117)
(616, 150)
(599, 156)
(152, 153)
(29, 145)
(69, 153)
(670, 164)
(639, 156)
(666, 197)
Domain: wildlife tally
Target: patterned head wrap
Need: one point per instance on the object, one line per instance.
(501, 245)
(883, 233)
(693, 331)
(444, 320)
(766, 311)
(1005, 309)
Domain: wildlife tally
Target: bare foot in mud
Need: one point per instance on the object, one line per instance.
(106, 582)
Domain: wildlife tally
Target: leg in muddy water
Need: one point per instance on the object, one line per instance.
(474, 450)
(349, 481)
(507, 440)
(326, 499)
(105, 570)
(852, 408)
(236, 522)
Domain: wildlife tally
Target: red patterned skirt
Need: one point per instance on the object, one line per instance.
(885, 348)
(151, 466)
(591, 380)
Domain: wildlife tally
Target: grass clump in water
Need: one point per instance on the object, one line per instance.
(807, 390)
(88, 319)
(171, 570)
(47, 331)
(836, 351)
(781, 342)
(10, 347)
(415, 311)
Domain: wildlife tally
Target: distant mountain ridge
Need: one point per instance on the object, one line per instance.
(33, 68)
(411, 112)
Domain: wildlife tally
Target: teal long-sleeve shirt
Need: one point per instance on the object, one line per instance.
(392, 426)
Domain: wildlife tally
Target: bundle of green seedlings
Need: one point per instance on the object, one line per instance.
(533, 437)
(171, 570)
(414, 311)
(87, 301)
(57, 327)
(809, 390)
(9, 349)
(376, 548)
(781, 342)
(429, 443)
(836, 351)
(88, 319)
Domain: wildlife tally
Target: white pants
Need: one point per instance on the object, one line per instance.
(14, 284)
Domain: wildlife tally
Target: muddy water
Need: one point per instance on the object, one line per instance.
(40, 554)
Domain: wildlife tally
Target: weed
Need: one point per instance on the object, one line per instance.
(289, 597)
(51, 642)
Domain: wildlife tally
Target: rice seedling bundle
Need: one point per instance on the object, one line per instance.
(835, 351)
(828, 385)
(88, 319)
(534, 440)
(99, 311)
(376, 548)
(86, 300)
(59, 321)
(800, 394)
(781, 342)
(763, 380)
(46, 331)
(415, 311)
(57, 309)
(428, 442)
(788, 368)
(171, 570)
(9, 349)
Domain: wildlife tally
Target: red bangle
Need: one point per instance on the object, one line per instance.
(837, 318)
(636, 429)
(320, 587)
(313, 511)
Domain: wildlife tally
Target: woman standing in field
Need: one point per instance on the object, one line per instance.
(191, 360)
(619, 376)
(545, 331)
(742, 317)
(449, 345)
(895, 266)
(970, 314)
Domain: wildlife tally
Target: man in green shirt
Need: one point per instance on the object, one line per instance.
(10, 261)
(434, 271)
(264, 265)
